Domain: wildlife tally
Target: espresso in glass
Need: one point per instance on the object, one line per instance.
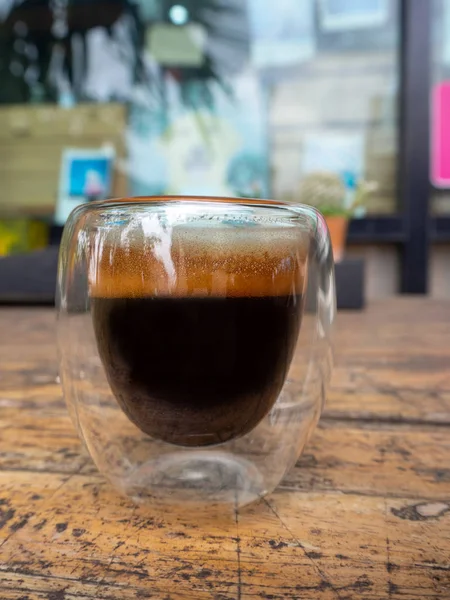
(196, 342)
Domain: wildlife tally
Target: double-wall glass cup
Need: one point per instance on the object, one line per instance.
(194, 342)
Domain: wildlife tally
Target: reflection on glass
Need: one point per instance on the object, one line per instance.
(239, 98)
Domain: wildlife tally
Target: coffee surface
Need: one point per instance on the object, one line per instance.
(196, 344)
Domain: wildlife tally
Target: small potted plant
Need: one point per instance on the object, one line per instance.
(327, 192)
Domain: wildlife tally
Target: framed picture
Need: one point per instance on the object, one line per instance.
(283, 32)
(86, 175)
(342, 15)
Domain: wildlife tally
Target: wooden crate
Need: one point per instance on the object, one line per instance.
(32, 139)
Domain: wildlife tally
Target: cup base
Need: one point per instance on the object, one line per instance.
(196, 477)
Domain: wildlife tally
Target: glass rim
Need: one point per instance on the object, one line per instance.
(299, 213)
(131, 200)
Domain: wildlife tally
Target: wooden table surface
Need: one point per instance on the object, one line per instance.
(364, 514)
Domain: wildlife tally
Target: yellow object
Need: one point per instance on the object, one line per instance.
(22, 235)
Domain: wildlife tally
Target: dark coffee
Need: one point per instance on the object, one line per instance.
(196, 348)
(196, 371)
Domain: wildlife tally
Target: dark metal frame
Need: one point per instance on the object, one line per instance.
(410, 229)
(440, 229)
(415, 141)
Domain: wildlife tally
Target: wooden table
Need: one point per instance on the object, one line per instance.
(364, 514)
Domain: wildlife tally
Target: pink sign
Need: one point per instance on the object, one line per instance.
(440, 149)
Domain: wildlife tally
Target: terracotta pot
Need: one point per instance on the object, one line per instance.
(338, 227)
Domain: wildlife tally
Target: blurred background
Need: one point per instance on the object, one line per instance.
(344, 104)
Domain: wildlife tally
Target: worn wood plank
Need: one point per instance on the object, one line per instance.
(392, 363)
(76, 534)
(385, 369)
(392, 461)
(47, 122)
(364, 514)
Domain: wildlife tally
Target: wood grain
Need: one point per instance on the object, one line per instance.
(365, 513)
(32, 140)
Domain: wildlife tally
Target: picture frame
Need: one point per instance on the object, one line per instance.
(86, 174)
(283, 33)
(344, 15)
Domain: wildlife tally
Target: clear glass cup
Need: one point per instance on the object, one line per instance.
(194, 342)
